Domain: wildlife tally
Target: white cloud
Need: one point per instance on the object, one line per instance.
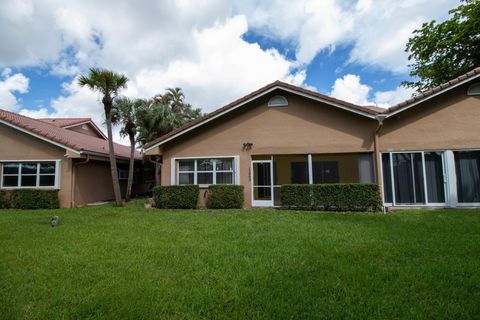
(9, 85)
(350, 88)
(377, 30)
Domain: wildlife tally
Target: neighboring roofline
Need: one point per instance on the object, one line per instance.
(429, 94)
(363, 111)
(90, 121)
(39, 136)
(107, 155)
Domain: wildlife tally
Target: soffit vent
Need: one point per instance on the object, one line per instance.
(474, 89)
(278, 101)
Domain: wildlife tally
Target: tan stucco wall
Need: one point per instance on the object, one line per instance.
(15, 145)
(303, 127)
(448, 121)
(93, 183)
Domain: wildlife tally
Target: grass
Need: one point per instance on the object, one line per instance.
(131, 263)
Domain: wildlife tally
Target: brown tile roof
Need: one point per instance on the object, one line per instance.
(65, 122)
(426, 94)
(367, 110)
(74, 140)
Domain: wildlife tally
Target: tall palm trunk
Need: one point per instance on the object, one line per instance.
(113, 161)
(130, 168)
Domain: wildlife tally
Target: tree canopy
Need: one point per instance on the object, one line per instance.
(446, 50)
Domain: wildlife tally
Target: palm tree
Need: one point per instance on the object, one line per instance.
(124, 112)
(107, 83)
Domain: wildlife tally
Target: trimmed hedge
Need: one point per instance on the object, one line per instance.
(332, 197)
(176, 197)
(225, 196)
(29, 199)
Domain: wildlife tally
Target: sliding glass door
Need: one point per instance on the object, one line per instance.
(413, 178)
(467, 165)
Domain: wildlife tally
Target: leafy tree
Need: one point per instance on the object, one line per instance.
(161, 114)
(443, 51)
(107, 83)
(124, 113)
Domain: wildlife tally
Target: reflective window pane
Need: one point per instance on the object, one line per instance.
(47, 181)
(10, 181)
(387, 178)
(325, 172)
(224, 164)
(224, 177)
(467, 166)
(204, 164)
(205, 178)
(28, 181)
(408, 177)
(434, 172)
(10, 168)
(47, 167)
(186, 165)
(29, 168)
(185, 178)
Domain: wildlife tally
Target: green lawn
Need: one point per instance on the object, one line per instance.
(116, 263)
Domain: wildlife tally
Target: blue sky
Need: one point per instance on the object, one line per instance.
(216, 51)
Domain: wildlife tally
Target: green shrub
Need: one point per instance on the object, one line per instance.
(176, 197)
(29, 199)
(332, 197)
(225, 196)
(4, 199)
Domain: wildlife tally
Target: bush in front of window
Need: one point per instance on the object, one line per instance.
(176, 197)
(225, 196)
(332, 197)
(29, 199)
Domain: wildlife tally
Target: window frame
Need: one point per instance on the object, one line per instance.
(37, 174)
(176, 169)
(426, 203)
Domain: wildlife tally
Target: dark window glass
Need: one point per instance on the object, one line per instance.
(224, 178)
(29, 181)
(10, 168)
(434, 172)
(224, 164)
(29, 168)
(467, 165)
(185, 178)
(387, 178)
(205, 178)
(299, 173)
(408, 176)
(325, 172)
(186, 165)
(204, 164)
(47, 167)
(10, 181)
(47, 181)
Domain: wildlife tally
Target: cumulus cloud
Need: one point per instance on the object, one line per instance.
(9, 85)
(377, 30)
(350, 88)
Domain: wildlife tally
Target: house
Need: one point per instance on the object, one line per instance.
(69, 154)
(424, 152)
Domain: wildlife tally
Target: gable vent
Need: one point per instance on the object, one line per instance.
(474, 89)
(278, 101)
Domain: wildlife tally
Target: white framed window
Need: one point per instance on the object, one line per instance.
(206, 171)
(414, 178)
(30, 174)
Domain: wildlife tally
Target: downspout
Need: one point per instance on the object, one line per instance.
(378, 160)
(72, 188)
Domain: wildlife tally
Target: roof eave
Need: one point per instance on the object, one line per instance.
(267, 91)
